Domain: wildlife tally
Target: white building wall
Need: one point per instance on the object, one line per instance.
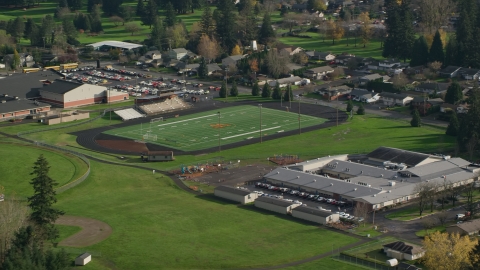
(230, 196)
(314, 218)
(274, 208)
(85, 91)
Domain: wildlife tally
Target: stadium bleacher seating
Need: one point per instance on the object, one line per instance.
(128, 114)
(168, 105)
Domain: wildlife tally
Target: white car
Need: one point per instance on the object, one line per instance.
(297, 202)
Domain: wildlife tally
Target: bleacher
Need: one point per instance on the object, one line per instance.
(128, 114)
(168, 105)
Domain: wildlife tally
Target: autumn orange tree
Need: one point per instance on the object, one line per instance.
(446, 251)
(208, 47)
(365, 28)
(334, 30)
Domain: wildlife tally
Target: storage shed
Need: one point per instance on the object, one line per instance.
(240, 195)
(83, 259)
(315, 215)
(158, 156)
(275, 205)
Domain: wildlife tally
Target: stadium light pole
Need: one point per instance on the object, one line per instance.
(226, 84)
(260, 106)
(219, 147)
(299, 126)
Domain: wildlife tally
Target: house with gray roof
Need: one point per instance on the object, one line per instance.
(317, 73)
(178, 53)
(334, 93)
(236, 194)
(432, 87)
(315, 215)
(470, 73)
(449, 71)
(373, 77)
(403, 251)
(394, 99)
(466, 228)
(316, 55)
(231, 60)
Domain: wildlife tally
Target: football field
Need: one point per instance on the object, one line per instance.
(208, 129)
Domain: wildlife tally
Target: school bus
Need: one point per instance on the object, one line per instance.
(69, 66)
(28, 70)
(57, 68)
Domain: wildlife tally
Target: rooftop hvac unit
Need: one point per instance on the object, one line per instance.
(389, 191)
(391, 183)
(354, 189)
(369, 185)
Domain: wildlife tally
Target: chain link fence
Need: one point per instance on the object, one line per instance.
(362, 262)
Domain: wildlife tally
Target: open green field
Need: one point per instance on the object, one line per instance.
(316, 43)
(66, 231)
(17, 164)
(167, 228)
(208, 129)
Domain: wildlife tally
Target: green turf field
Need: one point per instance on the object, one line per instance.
(207, 129)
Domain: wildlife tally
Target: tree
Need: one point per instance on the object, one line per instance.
(399, 81)
(111, 7)
(334, 30)
(43, 214)
(16, 60)
(416, 121)
(234, 90)
(126, 13)
(361, 109)
(225, 19)
(454, 93)
(467, 34)
(288, 96)
(157, 36)
(300, 58)
(13, 216)
(365, 28)
(446, 251)
(451, 52)
(177, 35)
(419, 52)
(247, 23)
(277, 63)
(436, 51)
(17, 29)
(132, 27)
(266, 91)
(116, 20)
(435, 13)
(75, 4)
(277, 92)
(453, 126)
(266, 34)
(236, 50)
(96, 20)
(150, 14)
(140, 11)
(223, 90)
(361, 211)
(349, 105)
(202, 69)
(170, 17)
(316, 5)
(255, 89)
(401, 35)
(91, 4)
(422, 189)
(207, 23)
(28, 28)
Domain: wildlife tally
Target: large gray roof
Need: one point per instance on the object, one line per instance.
(233, 190)
(398, 156)
(61, 86)
(470, 226)
(313, 211)
(20, 105)
(274, 201)
(353, 168)
(438, 169)
(26, 85)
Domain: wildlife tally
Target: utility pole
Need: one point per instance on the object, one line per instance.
(219, 148)
(226, 84)
(299, 126)
(260, 106)
(337, 115)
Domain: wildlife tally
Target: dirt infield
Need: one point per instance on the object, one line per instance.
(123, 145)
(93, 231)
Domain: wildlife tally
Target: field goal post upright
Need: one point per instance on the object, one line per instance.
(154, 120)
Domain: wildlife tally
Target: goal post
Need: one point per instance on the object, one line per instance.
(154, 120)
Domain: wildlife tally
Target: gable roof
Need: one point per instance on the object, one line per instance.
(469, 71)
(404, 248)
(321, 69)
(359, 92)
(372, 77)
(433, 86)
(469, 226)
(394, 95)
(236, 191)
(180, 50)
(61, 86)
(449, 69)
(312, 211)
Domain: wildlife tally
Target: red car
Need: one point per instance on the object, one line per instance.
(217, 88)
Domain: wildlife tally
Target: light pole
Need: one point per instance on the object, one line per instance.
(299, 126)
(226, 83)
(260, 106)
(219, 148)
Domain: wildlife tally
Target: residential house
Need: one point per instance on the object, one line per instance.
(213, 68)
(465, 228)
(373, 77)
(293, 66)
(445, 107)
(423, 104)
(364, 95)
(414, 70)
(317, 73)
(334, 93)
(231, 60)
(470, 74)
(386, 64)
(343, 59)
(149, 57)
(290, 50)
(430, 88)
(294, 80)
(325, 56)
(177, 54)
(449, 72)
(26, 60)
(403, 251)
(393, 99)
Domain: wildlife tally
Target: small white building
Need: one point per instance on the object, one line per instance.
(403, 251)
(83, 259)
(240, 195)
(275, 205)
(315, 215)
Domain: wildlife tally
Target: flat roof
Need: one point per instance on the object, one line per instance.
(313, 211)
(61, 86)
(21, 105)
(236, 191)
(26, 85)
(274, 201)
(116, 44)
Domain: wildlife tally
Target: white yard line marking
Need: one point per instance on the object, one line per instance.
(238, 135)
(186, 120)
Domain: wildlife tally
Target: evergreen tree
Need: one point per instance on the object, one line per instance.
(75, 4)
(288, 96)
(361, 109)
(170, 17)
(407, 33)
(266, 33)
(255, 89)
(92, 3)
(453, 126)
(126, 13)
(69, 28)
(111, 7)
(401, 35)
(234, 89)
(150, 15)
(416, 121)
(454, 93)
(202, 69)
(470, 123)
(277, 92)
(223, 90)
(451, 53)
(284, 10)
(63, 3)
(157, 36)
(18, 29)
(465, 33)
(140, 8)
(225, 19)
(419, 53)
(43, 214)
(349, 105)
(207, 23)
(266, 91)
(436, 50)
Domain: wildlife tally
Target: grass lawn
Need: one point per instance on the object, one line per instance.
(316, 43)
(326, 263)
(130, 102)
(243, 98)
(423, 233)
(409, 213)
(18, 161)
(66, 231)
(205, 130)
(372, 250)
(168, 228)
